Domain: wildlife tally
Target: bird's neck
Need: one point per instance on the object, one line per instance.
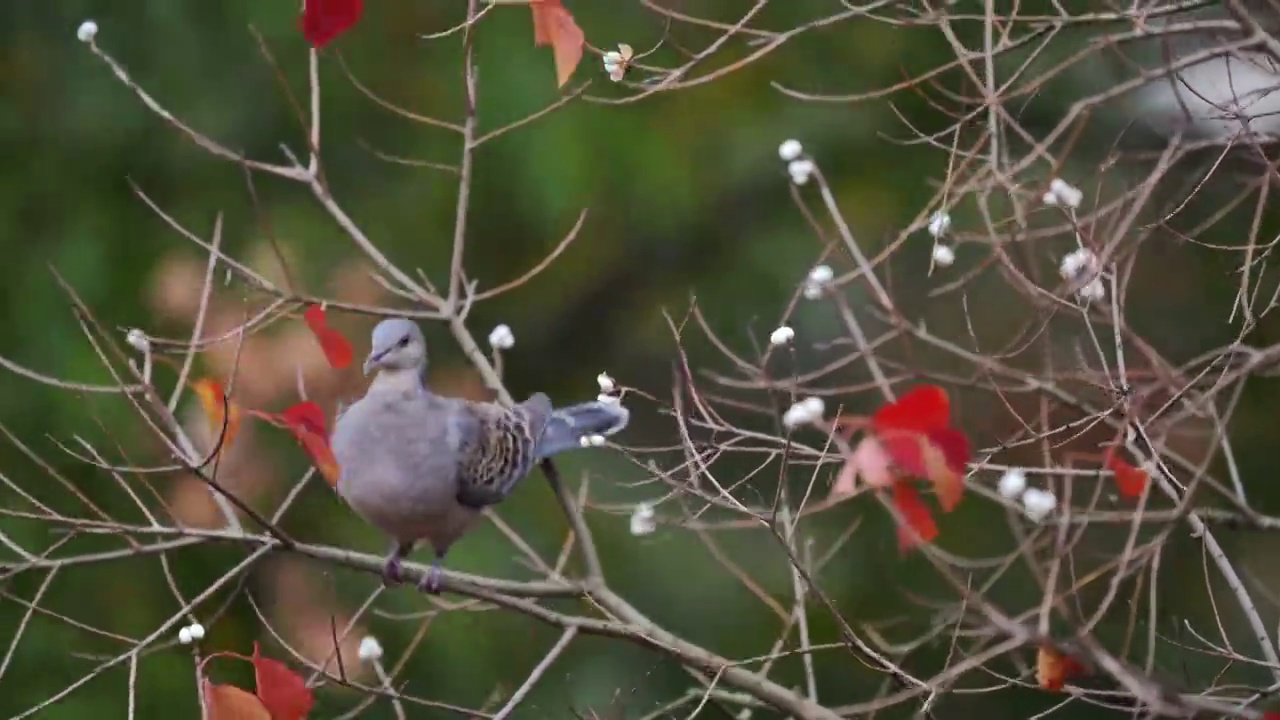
(397, 381)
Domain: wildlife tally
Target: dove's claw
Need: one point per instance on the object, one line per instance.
(431, 581)
(392, 572)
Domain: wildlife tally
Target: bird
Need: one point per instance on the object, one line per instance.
(422, 466)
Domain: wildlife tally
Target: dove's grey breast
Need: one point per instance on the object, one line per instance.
(398, 453)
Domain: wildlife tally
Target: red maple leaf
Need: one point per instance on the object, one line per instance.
(283, 692)
(324, 20)
(306, 421)
(337, 349)
(908, 438)
(1130, 481)
(554, 26)
(915, 433)
(915, 516)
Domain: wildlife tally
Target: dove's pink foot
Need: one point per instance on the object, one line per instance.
(432, 580)
(393, 571)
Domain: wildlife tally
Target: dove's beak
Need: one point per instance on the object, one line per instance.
(371, 363)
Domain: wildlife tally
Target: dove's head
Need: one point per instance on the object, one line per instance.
(397, 345)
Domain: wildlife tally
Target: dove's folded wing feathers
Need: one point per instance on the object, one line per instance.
(497, 447)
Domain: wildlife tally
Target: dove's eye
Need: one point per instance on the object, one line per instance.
(404, 342)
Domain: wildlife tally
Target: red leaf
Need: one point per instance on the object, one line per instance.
(282, 691)
(324, 20)
(922, 409)
(915, 516)
(914, 432)
(1053, 668)
(1130, 481)
(954, 447)
(228, 702)
(306, 416)
(554, 26)
(306, 421)
(337, 349)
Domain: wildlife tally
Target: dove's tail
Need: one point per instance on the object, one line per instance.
(572, 427)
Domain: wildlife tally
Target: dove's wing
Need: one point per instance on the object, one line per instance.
(497, 447)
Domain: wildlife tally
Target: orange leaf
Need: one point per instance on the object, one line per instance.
(868, 461)
(306, 421)
(947, 484)
(945, 454)
(1054, 669)
(915, 516)
(282, 691)
(337, 349)
(1130, 481)
(553, 25)
(228, 702)
(215, 403)
(922, 409)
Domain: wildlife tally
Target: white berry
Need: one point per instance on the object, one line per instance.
(790, 150)
(501, 338)
(370, 649)
(87, 30)
(1038, 504)
(1012, 483)
(943, 255)
(804, 412)
(642, 520)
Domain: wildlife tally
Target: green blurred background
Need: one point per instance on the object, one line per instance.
(686, 198)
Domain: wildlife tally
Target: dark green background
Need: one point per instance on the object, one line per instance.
(687, 198)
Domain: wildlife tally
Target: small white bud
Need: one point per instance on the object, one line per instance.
(501, 338)
(1063, 193)
(138, 340)
(1012, 484)
(87, 30)
(943, 255)
(782, 336)
(606, 383)
(184, 636)
(812, 292)
(643, 519)
(939, 224)
(821, 275)
(1038, 504)
(595, 440)
(804, 412)
(800, 170)
(1093, 291)
(197, 631)
(613, 57)
(370, 649)
(790, 150)
(1077, 263)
